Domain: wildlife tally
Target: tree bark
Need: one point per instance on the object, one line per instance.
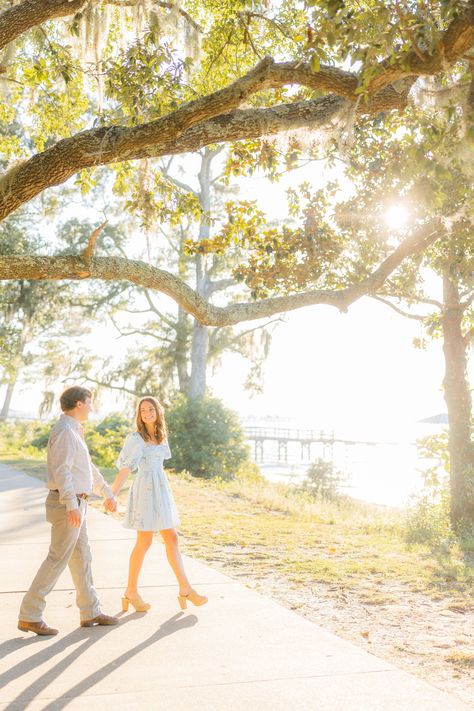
(166, 136)
(8, 398)
(21, 17)
(181, 351)
(200, 342)
(117, 268)
(197, 382)
(15, 367)
(458, 401)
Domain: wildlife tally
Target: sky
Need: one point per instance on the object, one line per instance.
(356, 372)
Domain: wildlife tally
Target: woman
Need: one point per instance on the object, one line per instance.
(150, 505)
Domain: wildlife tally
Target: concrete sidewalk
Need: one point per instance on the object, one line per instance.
(241, 652)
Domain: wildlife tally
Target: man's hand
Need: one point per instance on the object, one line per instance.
(74, 518)
(110, 504)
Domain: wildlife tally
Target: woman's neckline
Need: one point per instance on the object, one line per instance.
(150, 444)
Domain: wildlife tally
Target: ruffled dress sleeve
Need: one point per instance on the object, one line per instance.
(167, 451)
(132, 452)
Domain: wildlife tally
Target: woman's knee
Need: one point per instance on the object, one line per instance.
(170, 536)
(144, 540)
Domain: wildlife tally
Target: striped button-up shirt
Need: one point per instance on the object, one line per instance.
(70, 469)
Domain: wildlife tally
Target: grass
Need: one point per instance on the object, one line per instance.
(258, 529)
(461, 659)
(312, 542)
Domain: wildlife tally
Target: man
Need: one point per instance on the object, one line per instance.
(71, 479)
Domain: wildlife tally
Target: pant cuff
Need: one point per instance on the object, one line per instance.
(89, 614)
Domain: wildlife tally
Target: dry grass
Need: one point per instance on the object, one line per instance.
(461, 659)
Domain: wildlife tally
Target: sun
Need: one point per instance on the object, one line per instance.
(396, 217)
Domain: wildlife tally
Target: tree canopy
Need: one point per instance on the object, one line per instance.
(90, 84)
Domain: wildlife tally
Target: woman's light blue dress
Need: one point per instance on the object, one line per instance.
(150, 505)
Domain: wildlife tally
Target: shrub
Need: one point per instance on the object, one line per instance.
(41, 435)
(105, 438)
(205, 437)
(116, 422)
(323, 480)
(18, 435)
(249, 472)
(427, 520)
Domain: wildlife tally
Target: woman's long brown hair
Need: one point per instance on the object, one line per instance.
(161, 432)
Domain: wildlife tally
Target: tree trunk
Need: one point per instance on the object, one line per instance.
(8, 398)
(197, 382)
(16, 364)
(458, 400)
(181, 351)
(200, 343)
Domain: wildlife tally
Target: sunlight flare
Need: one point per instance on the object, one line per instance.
(396, 217)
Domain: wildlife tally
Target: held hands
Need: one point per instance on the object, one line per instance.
(74, 518)
(110, 504)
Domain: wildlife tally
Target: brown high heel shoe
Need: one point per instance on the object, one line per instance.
(193, 597)
(137, 602)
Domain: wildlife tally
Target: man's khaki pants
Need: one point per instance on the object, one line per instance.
(69, 546)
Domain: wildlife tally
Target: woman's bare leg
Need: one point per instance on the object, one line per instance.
(144, 541)
(170, 538)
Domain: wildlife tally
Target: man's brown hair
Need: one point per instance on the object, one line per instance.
(72, 396)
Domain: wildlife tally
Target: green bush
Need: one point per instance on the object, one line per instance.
(105, 438)
(323, 480)
(22, 435)
(427, 520)
(249, 472)
(205, 437)
(116, 422)
(41, 435)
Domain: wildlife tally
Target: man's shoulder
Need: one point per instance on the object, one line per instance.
(59, 427)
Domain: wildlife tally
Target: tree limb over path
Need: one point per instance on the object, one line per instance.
(18, 19)
(210, 119)
(142, 274)
(217, 118)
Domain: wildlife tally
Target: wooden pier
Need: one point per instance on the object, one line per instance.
(306, 438)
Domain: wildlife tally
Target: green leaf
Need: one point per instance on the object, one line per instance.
(315, 63)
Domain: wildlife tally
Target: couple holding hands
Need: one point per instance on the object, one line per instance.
(71, 479)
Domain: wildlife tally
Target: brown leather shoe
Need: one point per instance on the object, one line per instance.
(101, 619)
(37, 627)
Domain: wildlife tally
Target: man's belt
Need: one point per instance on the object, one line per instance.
(78, 496)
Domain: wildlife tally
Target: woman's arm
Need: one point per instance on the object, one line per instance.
(120, 480)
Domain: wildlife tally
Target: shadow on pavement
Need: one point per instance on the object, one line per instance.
(90, 636)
